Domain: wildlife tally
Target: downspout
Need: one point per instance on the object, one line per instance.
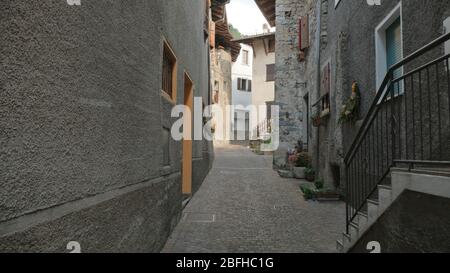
(318, 47)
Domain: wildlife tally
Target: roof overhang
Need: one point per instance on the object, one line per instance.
(218, 9)
(249, 40)
(223, 35)
(267, 8)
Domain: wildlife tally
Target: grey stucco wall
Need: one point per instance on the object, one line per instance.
(416, 223)
(82, 116)
(422, 22)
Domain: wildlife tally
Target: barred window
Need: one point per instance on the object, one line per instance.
(169, 72)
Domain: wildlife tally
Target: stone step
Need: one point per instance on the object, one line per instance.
(372, 211)
(384, 197)
(347, 240)
(363, 222)
(354, 230)
(340, 246)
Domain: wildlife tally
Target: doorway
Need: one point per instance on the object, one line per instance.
(187, 136)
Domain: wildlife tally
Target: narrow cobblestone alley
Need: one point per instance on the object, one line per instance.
(244, 206)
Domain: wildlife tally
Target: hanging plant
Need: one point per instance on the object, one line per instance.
(350, 110)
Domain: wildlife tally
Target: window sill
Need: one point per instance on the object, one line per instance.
(325, 113)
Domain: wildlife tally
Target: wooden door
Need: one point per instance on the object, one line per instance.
(187, 139)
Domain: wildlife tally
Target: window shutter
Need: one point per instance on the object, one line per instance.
(326, 82)
(270, 72)
(239, 83)
(249, 86)
(303, 32)
(394, 46)
(212, 34)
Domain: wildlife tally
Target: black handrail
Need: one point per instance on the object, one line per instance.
(382, 142)
(382, 91)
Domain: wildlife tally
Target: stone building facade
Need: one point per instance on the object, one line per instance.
(86, 153)
(263, 79)
(242, 86)
(343, 47)
(223, 52)
(296, 79)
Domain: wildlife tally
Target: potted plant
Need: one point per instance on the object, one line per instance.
(318, 192)
(316, 120)
(310, 174)
(308, 193)
(303, 161)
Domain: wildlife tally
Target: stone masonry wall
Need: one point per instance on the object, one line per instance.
(294, 78)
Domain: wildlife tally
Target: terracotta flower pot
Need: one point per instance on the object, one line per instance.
(299, 172)
(310, 177)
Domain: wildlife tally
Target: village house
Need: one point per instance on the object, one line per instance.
(86, 151)
(336, 75)
(242, 86)
(224, 52)
(263, 79)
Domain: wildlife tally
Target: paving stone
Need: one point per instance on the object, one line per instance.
(255, 211)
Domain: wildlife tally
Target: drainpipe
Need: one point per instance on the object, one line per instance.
(317, 60)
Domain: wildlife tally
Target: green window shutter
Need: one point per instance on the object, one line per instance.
(394, 46)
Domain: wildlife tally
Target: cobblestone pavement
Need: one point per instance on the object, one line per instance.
(244, 206)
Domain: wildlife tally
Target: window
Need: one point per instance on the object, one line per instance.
(169, 72)
(394, 46)
(325, 103)
(244, 85)
(388, 43)
(216, 92)
(270, 72)
(306, 122)
(303, 39)
(216, 86)
(245, 57)
(271, 45)
(447, 30)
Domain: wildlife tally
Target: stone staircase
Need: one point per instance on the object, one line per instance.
(375, 206)
(430, 181)
(387, 140)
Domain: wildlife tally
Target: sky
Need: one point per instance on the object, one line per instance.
(245, 16)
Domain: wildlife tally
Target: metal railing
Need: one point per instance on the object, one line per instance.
(408, 123)
(263, 128)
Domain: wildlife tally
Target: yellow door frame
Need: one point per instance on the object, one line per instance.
(187, 131)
